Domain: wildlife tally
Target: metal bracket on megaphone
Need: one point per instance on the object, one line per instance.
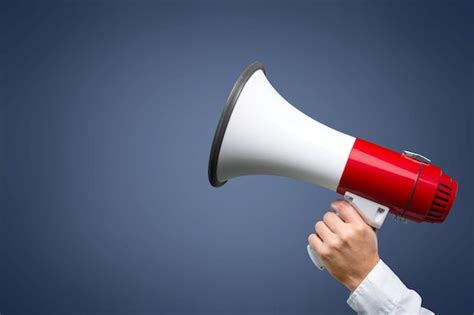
(373, 214)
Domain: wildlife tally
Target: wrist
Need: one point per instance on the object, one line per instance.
(352, 282)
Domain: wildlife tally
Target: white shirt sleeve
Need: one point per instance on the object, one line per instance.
(382, 292)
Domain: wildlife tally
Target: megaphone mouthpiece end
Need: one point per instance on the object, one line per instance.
(224, 121)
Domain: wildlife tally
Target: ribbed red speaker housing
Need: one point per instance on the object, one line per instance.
(412, 188)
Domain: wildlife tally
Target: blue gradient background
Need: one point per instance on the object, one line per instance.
(108, 113)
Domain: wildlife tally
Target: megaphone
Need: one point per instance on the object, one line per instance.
(259, 132)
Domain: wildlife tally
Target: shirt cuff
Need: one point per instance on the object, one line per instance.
(379, 293)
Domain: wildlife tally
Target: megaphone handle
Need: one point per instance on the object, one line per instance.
(373, 213)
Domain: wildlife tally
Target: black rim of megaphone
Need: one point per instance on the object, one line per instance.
(224, 120)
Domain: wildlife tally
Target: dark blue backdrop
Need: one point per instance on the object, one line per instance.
(108, 112)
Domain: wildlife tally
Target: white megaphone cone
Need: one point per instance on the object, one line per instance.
(259, 132)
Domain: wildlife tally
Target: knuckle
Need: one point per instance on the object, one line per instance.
(331, 247)
(324, 252)
(360, 227)
(311, 238)
(335, 244)
(319, 225)
(346, 236)
(326, 216)
(336, 202)
(340, 204)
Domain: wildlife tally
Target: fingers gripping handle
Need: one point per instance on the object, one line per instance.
(374, 214)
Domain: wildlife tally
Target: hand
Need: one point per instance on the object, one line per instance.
(346, 244)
